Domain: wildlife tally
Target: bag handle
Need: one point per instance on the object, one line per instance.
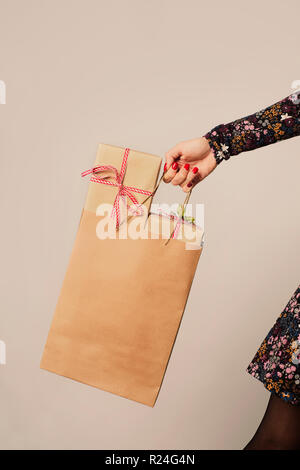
(186, 200)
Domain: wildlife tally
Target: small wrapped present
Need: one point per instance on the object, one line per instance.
(175, 224)
(121, 176)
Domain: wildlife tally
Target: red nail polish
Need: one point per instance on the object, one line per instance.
(175, 166)
(195, 170)
(165, 167)
(189, 184)
(187, 166)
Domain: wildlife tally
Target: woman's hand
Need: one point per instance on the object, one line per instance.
(188, 163)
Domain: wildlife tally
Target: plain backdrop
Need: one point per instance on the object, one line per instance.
(144, 75)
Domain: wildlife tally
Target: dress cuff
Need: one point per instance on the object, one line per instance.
(219, 140)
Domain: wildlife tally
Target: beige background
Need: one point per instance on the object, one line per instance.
(144, 75)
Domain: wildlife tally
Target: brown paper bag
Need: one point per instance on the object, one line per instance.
(119, 311)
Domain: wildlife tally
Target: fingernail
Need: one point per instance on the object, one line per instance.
(187, 166)
(165, 167)
(195, 170)
(175, 166)
(189, 184)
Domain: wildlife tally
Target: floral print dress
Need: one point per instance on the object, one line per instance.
(277, 362)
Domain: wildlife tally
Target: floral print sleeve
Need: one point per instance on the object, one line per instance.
(277, 122)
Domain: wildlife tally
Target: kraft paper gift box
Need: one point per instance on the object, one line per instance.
(121, 304)
(141, 172)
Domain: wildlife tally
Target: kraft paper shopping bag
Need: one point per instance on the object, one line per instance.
(119, 311)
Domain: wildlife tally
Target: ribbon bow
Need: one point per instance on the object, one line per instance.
(124, 192)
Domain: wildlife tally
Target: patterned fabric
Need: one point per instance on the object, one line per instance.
(279, 121)
(277, 362)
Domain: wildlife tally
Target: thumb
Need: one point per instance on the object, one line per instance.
(172, 155)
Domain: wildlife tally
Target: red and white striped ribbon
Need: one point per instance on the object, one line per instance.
(123, 192)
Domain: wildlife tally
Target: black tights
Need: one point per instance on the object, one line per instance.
(279, 428)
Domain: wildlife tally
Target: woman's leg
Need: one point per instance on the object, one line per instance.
(279, 428)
